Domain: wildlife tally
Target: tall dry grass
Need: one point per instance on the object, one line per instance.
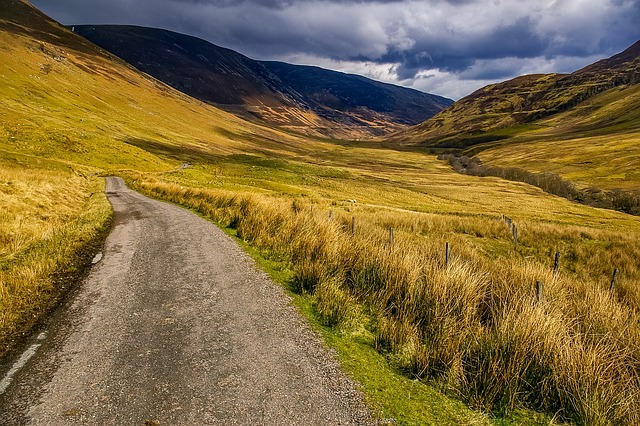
(50, 219)
(474, 325)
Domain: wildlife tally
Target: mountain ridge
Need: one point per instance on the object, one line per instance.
(274, 92)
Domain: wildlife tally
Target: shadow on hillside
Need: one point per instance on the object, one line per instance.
(182, 153)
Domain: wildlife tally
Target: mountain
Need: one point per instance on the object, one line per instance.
(330, 91)
(302, 98)
(487, 114)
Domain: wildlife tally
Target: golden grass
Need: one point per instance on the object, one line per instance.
(50, 222)
(604, 161)
(475, 325)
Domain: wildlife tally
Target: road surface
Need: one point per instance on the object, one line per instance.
(176, 326)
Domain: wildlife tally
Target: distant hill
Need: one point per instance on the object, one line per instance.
(499, 111)
(302, 98)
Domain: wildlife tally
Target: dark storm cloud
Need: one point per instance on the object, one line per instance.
(416, 41)
(456, 55)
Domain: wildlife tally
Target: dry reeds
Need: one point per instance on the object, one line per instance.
(475, 325)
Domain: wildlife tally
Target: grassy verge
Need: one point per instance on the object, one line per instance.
(472, 328)
(53, 221)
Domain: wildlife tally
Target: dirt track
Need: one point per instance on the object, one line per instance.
(176, 326)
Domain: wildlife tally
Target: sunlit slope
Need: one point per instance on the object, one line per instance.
(470, 120)
(595, 144)
(62, 97)
(502, 110)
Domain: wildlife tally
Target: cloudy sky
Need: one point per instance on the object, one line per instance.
(446, 47)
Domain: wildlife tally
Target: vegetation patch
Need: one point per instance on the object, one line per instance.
(51, 225)
(462, 141)
(474, 326)
(616, 199)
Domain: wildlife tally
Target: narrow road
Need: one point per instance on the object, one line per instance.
(176, 326)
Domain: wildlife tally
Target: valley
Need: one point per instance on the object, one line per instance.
(354, 230)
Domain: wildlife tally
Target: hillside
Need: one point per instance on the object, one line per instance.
(333, 91)
(63, 97)
(471, 120)
(306, 99)
(488, 114)
(595, 144)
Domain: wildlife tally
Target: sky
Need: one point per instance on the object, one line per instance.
(445, 47)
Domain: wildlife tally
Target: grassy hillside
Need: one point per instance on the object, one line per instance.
(495, 111)
(476, 118)
(320, 212)
(62, 95)
(595, 144)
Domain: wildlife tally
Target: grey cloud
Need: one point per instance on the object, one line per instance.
(456, 55)
(452, 36)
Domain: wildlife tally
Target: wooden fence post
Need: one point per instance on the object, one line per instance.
(613, 279)
(447, 254)
(556, 266)
(539, 286)
(512, 228)
(391, 235)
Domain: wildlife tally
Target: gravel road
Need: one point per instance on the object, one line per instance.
(175, 325)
